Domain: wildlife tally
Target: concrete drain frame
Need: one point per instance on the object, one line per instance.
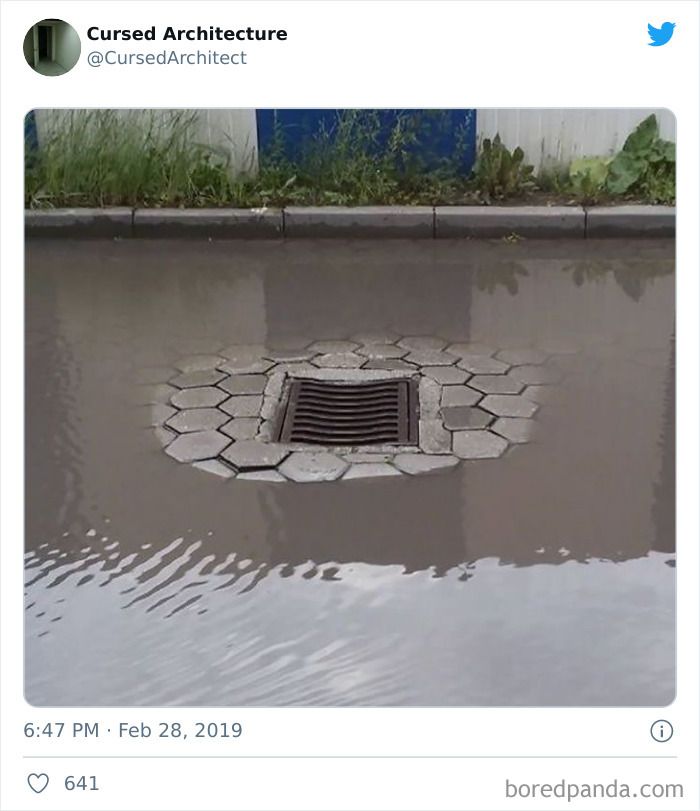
(221, 413)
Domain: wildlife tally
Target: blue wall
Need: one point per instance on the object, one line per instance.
(439, 132)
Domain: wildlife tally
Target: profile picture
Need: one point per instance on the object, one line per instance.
(52, 47)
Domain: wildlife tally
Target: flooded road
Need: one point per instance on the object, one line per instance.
(544, 577)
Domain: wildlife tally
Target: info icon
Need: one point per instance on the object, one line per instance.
(661, 731)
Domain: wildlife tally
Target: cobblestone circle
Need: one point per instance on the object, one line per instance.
(218, 412)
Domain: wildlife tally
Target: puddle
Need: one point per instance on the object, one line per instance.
(543, 577)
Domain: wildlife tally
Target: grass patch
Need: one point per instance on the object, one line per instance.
(154, 159)
(111, 158)
(643, 170)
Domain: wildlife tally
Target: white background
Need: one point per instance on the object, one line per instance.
(365, 54)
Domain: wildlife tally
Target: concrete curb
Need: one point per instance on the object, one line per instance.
(416, 222)
(360, 221)
(211, 223)
(79, 222)
(526, 221)
(631, 221)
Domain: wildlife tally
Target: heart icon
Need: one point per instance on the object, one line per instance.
(38, 782)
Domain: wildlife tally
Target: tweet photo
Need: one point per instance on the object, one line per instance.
(349, 406)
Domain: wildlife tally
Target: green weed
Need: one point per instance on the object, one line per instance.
(646, 165)
(499, 173)
(112, 157)
(154, 158)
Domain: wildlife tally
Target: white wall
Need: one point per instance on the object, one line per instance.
(554, 136)
(548, 137)
(234, 131)
(66, 44)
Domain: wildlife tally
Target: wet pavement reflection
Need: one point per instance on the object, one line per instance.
(543, 577)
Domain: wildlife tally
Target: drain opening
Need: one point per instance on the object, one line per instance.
(376, 412)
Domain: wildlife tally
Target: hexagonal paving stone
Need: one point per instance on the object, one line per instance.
(423, 343)
(366, 471)
(262, 476)
(467, 349)
(515, 429)
(520, 357)
(294, 368)
(416, 463)
(496, 384)
(382, 351)
(482, 365)
(289, 355)
(446, 375)
(244, 384)
(197, 419)
(536, 375)
(202, 377)
(459, 396)
(244, 405)
(215, 467)
(339, 360)
(333, 347)
(508, 405)
(478, 445)
(431, 357)
(246, 365)
(390, 365)
(199, 363)
(433, 438)
(313, 467)
(205, 397)
(465, 418)
(197, 446)
(241, 428)
(251, 455)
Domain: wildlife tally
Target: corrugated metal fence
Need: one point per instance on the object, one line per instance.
(551, 137)
(547, 136)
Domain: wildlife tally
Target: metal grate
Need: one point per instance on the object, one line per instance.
(375, 412)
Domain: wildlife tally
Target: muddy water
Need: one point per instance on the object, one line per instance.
(544, 577)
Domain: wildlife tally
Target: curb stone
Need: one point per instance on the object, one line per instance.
(496, 221)
(359, 221)
(631, 221)
(213, 223)
(416, 222)
(79, 222)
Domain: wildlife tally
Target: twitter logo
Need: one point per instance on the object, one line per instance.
(660, 36)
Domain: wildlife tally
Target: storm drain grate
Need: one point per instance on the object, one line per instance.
(375, 412)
